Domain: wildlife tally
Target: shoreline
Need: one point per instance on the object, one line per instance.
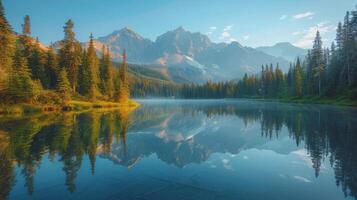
(341, 101)
(70, 106)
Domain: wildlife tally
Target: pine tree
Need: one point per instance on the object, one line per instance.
(70, 54)
(26, 27)
(106, 73)
(353, 24)
(318, 61)
(332, 71)
(109, 76)
(347, 42)
(93, 70)
(279, 81)
(7, 47)
(102, 71)
(124, 91)
(21, 87)
(339, 36)
(36, 63)
(51, 68)
(290, 81)
(298, 78)
(84, 75)
(64, 86)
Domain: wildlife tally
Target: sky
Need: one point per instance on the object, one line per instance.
(250, 22)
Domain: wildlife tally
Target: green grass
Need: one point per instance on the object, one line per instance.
(20, 109)
(85, 105)
(27, 109)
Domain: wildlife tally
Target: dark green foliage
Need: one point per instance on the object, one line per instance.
(36, 62)
(298, 78)
(318, 64)
(84, 75)
(64, 86)
(93, 69)
(124, 89)
(209, 90)
(21, 87)
(106, 73)
(88, 73)
(70, 54)
(51, 69)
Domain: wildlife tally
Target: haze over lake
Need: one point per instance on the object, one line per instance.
(173, 149)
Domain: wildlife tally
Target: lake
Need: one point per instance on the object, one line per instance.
(183, 149)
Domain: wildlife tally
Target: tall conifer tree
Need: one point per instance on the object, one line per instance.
(93, 65)
(318, 62)
(298, 79)
(124, 92)
(70, 54)
(26, 27)
(51, 68)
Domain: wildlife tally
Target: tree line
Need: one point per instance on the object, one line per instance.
(33, 73)
(324, 72)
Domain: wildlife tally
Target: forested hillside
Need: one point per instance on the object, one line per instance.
(33, 73)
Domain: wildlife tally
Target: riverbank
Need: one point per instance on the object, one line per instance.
(22, 109)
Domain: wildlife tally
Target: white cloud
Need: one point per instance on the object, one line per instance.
(228, 28)
(212, 28)
(304, 15)
(246, 37)
(226, 35)
(309, 34)
(283, 17)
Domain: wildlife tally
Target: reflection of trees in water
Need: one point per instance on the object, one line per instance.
(7, 178)
(68, 136)
(327, 132)
(71, 137)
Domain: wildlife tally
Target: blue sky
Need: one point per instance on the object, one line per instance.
(250, 22)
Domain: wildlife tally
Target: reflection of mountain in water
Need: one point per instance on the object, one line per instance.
(210, 128)
(179, 133)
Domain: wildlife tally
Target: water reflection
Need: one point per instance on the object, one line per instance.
(179, 134)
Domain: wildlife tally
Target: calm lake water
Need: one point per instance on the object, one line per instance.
(203, 150)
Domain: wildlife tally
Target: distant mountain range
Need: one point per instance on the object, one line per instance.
(284, 50)
(193, 57)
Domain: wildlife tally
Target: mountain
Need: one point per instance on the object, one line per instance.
(186, 56)
(135, 45)
(182, 42)
(284, 50)
(232, 60)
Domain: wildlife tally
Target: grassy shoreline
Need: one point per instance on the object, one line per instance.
(24, 109)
